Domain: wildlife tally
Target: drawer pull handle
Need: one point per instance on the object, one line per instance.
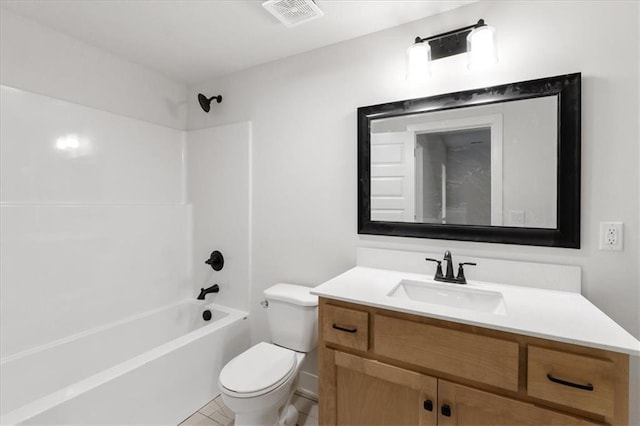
(344, 328)
(587, 387)
(428, 405)
(445, 410)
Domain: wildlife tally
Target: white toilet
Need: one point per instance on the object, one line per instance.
(258, 384)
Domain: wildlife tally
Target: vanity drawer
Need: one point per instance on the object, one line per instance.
(577, 381)
(471, 356)
(346, 327)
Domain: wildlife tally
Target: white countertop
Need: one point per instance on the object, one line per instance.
(549, 314)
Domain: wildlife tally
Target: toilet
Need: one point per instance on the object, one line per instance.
(258, 384)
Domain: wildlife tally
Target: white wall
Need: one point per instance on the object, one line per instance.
(36, 58)
(219, 167)
(303, 111)
(93, 224)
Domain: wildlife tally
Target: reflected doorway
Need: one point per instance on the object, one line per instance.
(453, 176)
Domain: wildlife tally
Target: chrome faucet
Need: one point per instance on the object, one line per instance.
(204, 291)
(448, 276)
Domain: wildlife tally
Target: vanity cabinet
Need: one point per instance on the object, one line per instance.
(369, 392)
(382, 367)
(472, 407)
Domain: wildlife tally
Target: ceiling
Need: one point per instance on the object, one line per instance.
(195, 41)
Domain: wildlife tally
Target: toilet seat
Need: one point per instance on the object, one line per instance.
(257, 370)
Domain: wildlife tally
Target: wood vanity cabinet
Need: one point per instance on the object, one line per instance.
(381, 367)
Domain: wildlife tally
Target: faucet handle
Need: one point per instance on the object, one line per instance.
(216, 260)
(461, 276)
(438, 268)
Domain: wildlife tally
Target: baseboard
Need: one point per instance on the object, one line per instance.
(308, 386)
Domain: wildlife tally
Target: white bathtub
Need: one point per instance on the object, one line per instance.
(155, 368)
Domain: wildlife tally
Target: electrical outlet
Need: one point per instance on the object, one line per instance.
(611, 236)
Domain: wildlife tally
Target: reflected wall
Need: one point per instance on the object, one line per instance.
(486, 165)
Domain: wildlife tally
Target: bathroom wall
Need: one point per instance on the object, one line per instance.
(42, 60)
(219, 167)
(303, 111)
(94, 227)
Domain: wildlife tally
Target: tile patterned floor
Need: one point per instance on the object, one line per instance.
(215, 413)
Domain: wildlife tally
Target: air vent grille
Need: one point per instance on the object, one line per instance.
(293, 12)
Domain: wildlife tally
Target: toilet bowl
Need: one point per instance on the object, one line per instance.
(258, 384)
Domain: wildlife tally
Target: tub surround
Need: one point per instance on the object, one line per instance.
(218, 187)
(83, 193)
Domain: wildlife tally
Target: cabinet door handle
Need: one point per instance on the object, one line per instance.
(428, 405)
(587, 387)
(445, 410)
(345, 328)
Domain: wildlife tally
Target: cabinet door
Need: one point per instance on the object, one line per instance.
(460, 405)
(372, 393)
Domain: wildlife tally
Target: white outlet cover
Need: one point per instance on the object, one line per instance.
(611, 236)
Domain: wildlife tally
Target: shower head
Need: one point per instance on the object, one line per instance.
(205, 102)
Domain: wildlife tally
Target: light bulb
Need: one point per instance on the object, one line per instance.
(418, 61)
(481, 47)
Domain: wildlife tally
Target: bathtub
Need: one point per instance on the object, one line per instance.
(155, 368)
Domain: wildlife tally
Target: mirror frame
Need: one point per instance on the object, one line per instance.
(567, 234)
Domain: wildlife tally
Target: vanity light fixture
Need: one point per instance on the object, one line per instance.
(478, 40)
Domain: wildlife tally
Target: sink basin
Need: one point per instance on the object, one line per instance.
(451, 295)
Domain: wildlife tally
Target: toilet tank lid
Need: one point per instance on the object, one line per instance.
(291, 293)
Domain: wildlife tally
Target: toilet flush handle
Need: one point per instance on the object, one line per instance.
(264, 303)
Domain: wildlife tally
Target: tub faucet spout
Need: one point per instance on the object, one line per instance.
(204, 291)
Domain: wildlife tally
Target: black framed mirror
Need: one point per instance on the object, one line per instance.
(498, 164)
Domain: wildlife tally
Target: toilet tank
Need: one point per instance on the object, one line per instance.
(292, 313)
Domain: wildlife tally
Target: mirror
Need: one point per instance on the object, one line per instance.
(498, 164)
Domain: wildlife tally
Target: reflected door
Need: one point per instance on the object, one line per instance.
(392, 177)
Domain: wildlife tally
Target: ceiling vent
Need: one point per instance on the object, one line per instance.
(293, 12)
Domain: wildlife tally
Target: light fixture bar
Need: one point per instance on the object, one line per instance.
(449, 43)
(452, 32)
(478, 41)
